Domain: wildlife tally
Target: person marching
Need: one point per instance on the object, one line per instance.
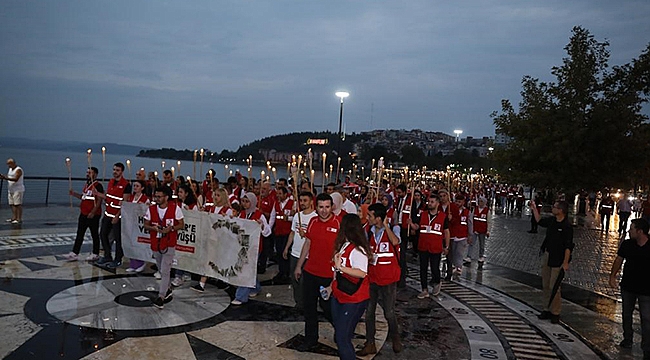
(251, 212)
(606, 210)
(283, 216)
(433, 242)
(320, 236)
(90, 211)
(137, 196)
(111, 220)
(163, 221)
(350, 288)
(295, 242)
(384, 273)
(481, 230)
(461, 225)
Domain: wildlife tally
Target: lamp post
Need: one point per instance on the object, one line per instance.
(490, 149)
(458, 132)
(342, 95)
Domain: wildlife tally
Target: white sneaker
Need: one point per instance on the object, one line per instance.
(253, 294)
(436, 289)
(141, 268)
(177, 281)
(72, 256)
(481, 259)
(187, 277)
(157, 275)
(459, 271)
(423, 294)
(236, 302)
(92, 257)
(130, 270)
(16, 222)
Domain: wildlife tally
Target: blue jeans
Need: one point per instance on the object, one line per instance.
(629, 300)
(345, 318)
(242, 293)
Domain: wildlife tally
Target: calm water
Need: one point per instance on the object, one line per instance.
(52, 164)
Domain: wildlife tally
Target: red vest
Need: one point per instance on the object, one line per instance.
(432, 232)
(209, 201)
(405, 211)
(282, 225)
(114, 197)
(142, 200)
(165, 240)
(480, 220)
(88, 200)
(364, 291)
(266, 204)
(389, 214)
(458, 224)
(254, 216)
(222, 211)
(386, 270)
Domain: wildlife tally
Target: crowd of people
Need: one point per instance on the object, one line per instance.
(346, 247)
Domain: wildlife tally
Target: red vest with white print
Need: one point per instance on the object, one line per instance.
(458, 224)
(88, 200)
(114, 197)
(431, 232)
(164, 241)
(282, 214)
(386, 269)
(480, 220)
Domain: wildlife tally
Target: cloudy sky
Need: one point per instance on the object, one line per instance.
(217, 74)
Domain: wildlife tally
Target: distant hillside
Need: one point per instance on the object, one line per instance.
(285, 143)
(72, 146)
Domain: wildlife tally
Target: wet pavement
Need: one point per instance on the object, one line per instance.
(71, 310)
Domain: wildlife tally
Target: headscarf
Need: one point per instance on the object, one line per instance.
(253, 199)
(390, 201)
(337, 201)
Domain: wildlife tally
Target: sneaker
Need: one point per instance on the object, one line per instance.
(544, 315)
(187, 277)
(92, 257)
(424, 294)
(16, 222)
(130, 270)
(178, 281)
(236, 302)
(253, 294)
(367, 350)
(140, 269)
(72, 257)
(626, 344)
(159, 302)
(10, 220)
(307, 347)
(169, 293)
(481, 259)
(436, 289)
(198, 288)
(114, 264)
(104, 260)
(157, 275)
(467, 260)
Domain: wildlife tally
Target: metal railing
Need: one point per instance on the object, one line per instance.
(44, 190)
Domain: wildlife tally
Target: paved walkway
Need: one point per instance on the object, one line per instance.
(488, 313)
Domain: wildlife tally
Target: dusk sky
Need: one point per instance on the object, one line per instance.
(218, 74)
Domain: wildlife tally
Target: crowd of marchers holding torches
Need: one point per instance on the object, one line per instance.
(379, 179)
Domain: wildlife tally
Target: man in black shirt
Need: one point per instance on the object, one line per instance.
(556, 254)
(636, 252)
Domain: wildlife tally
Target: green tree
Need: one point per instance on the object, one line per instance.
(412, 155)
(584, 130)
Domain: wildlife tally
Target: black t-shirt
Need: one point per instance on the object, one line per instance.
(637, 267)
(559, 237)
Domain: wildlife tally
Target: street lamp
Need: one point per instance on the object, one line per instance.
(458, 132)
(342, 95)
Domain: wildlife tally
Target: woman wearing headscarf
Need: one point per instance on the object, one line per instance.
(337, 204)
(138, 196)
(387, 201)
(251, 212)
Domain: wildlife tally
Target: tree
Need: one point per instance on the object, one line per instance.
(412, 155)
(585, 129)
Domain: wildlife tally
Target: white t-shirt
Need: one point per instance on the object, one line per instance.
(161, 213)
(358, 260)
(15, 186)
(349, 207)
(299, 241)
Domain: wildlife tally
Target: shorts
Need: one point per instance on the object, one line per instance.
(16, 198)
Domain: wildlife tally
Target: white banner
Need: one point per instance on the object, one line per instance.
(210, 244)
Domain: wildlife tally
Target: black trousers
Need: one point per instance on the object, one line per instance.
(267, 250)
(283, 265)
(311, 298)
(84, 224)
(105, 231)
(533, 223)
(428, 259)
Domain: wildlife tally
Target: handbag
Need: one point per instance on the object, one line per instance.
(347, 286)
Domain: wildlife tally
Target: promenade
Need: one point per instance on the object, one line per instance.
(57, 309)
